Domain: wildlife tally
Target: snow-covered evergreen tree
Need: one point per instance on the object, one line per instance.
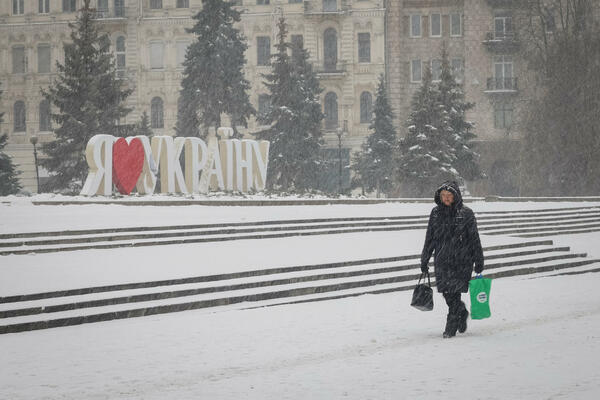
(143, 127)
(294, 118)
(213, 78)
(375, 164)
(9, 183)
(427, 156)
(89, 98)
(452, 97)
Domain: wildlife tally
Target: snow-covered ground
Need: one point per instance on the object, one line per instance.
(543, 340)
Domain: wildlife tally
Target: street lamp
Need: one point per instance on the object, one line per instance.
(34, 140)
(341, 132)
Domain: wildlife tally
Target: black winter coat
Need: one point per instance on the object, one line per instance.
(453, 238)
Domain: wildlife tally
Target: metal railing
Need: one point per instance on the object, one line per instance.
(502, 84)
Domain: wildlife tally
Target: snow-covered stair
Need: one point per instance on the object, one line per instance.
(264, 287)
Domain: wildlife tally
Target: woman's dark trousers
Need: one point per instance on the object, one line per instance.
(456, 308)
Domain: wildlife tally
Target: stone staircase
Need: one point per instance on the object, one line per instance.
(265, 287)
(528, 223)
(281, 285)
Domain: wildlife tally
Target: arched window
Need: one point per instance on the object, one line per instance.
(366, 107)
(331, 111)
(120, 52)
(330, 49)
(45, 124)
(157, 114)
(19, 117)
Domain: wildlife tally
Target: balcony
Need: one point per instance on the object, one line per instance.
(117, 12)
(331, 70)
(502, 85)
(313, 7)
(501, 3)
(502, 42)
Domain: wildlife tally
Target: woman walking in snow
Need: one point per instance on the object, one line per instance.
(452, 233)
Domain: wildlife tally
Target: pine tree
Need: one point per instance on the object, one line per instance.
(294, 118)
(9, 183)
(89, 100)
(426, 154)
(375, 164)
(213, 79)
(452, 97)
(143, 127)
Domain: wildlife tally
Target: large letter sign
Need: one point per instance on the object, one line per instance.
(134, 162)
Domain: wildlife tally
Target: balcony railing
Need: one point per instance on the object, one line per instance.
(501, 3)
(117, 12)
(501, 85)
(501, 41)
(324, 7)
(337, 68)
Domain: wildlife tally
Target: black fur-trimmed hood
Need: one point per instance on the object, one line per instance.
(452, 187)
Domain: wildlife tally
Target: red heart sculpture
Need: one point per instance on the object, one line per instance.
(128, 161)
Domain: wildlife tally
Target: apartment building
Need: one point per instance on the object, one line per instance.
(346, 40)
(483, 49)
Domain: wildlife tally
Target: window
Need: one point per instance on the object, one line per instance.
(549, 21)
(261, 2)
(294, 1)
(458, 69)
(183, 3)
(119, 8)
(436, 70)
(155, 4)
(157, 52)
(43, 53)
(329, 5)
(263, 50)
(264, 104)
(366, 107)
(19, 117)
(455, 25)
(330, 49)
(503, 116)
(331, 111)
(156, 114)
(102, 10)
(19, 62)
(503, 73)
(69, 5)
(121, 56)
(43, 6)
(45, 124)
(182, 46)
(18, 7)
(297, 43)
(502, 27)
(415, 26)
(436, 25)
(415, 71)
(364, 47)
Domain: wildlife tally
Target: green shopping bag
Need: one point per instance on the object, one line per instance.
(479, 288)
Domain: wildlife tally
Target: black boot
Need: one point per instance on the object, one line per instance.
(462, 322)
(451, 326)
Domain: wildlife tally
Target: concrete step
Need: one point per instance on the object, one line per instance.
(325, 273)
(117, 312)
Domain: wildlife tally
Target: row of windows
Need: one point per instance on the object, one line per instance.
(416, 69)
(330, 108)
(435, 25)
(263, 48)
(102, 6)
(20, 119)
(503, 113)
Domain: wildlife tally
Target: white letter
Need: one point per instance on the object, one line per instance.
(98, 153)
(193, 163)
(261, 162)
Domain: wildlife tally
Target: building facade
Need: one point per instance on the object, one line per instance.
(346, 40)
(483, 49)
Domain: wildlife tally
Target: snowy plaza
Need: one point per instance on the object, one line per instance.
(542, 340)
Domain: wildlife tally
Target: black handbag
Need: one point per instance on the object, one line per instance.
(423, 295)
